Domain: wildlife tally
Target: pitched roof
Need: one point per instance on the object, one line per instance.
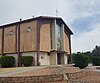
(44, 17)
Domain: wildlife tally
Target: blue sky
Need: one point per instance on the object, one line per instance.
(82, 16)
(86, 25)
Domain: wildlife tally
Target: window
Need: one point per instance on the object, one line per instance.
(28, 29)
(10, 33)
(58, 36)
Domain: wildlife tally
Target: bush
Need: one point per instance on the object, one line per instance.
(7, 61)
(91, 59)
(96, 61)
(81, 61)
(27, 60)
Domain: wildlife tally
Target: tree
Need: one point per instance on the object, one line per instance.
(96, 51)
(81, 60)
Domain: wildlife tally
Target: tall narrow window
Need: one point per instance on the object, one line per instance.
(58, 36)
(51, 36)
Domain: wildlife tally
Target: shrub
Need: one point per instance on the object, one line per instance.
(96, 61)
(91, 59)
(27, 60)
(7, 61)
(81, 61)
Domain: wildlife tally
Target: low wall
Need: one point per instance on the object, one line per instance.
(32, 79)
(72, 77)
(77, 75)
(74, 81)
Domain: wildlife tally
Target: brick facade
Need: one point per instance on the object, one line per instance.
(32, 79)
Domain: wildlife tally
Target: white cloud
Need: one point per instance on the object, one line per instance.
(68, 9)
(86, 41)
(14, 9)
(82, 8)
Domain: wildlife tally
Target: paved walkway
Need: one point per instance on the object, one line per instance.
(4, 72)
(93, 68)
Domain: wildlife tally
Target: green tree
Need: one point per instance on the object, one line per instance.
(96, 61)
(89, 54)
(96, 51)
(81, 60)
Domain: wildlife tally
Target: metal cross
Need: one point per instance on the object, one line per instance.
(56, 12)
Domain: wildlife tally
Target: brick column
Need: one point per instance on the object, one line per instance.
(54, 35)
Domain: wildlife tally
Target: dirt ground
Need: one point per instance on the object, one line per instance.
(94, 77)
(48, 71)
(91, 79)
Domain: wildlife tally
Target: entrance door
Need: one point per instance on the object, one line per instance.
(58, 58)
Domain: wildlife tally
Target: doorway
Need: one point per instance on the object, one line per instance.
(58, 58)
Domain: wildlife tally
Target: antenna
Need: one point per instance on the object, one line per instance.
(56, 12)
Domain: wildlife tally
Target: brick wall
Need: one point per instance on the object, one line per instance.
(49, 78)
(74, 81)
(32, 79)
(72, 77)
(77, 75)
